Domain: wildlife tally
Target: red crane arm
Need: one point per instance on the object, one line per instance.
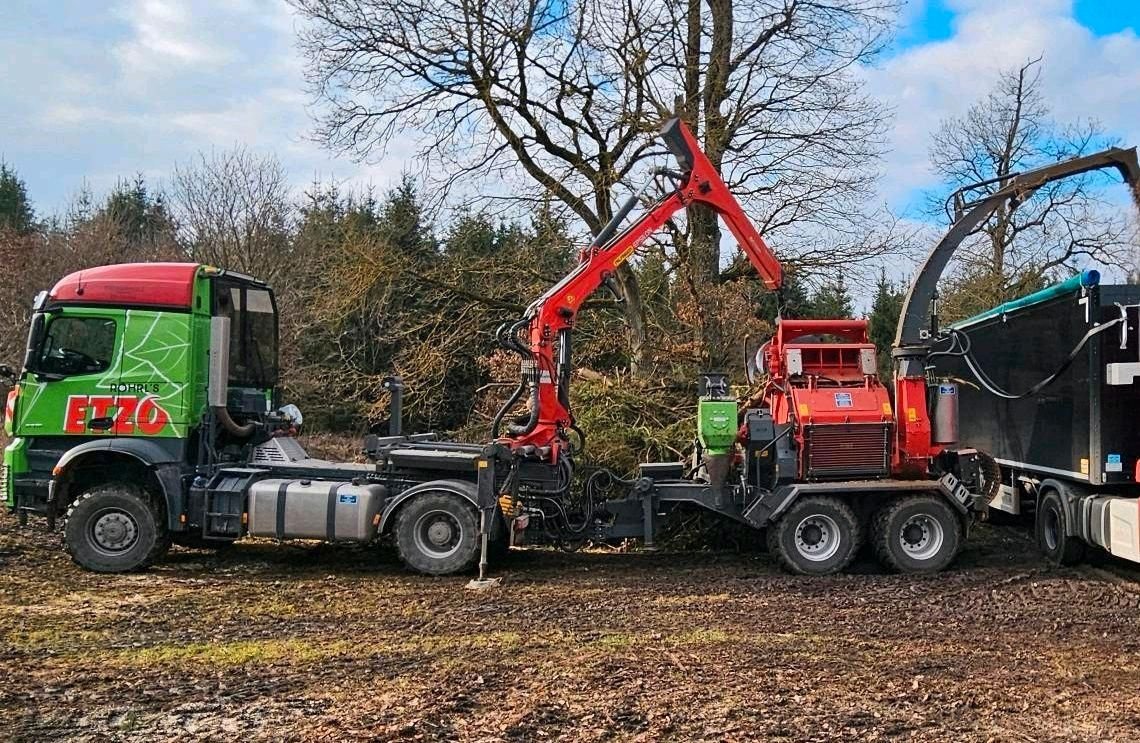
(551, 316)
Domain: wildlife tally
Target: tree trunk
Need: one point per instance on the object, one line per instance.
(633, 309)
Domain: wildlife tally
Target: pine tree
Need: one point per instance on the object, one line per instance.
(832, 301)
(402, 221)
(472, 236)
(140, 216)
(884, 318)
(15, 211)
(792, 302)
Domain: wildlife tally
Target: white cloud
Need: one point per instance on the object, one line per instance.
(169, 34)
(1085, 76)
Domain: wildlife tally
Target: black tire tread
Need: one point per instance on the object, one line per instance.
(1073, 550)
(776, 531)
(880, 538)
(161, 543)
(406, 512)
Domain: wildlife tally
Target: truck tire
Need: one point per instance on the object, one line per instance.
(1052, 522)
(916, 534)
(437, 533)
(818, 535)
(114, 528)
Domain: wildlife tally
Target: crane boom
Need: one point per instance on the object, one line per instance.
(545, 351)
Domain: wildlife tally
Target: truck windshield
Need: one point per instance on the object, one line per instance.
(253, 334)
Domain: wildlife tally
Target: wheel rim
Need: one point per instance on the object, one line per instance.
(921, 536)
(113, 531)
(817, 537)
(438, 534)
(1052, 528)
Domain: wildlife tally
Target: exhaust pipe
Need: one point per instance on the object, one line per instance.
(218, 387)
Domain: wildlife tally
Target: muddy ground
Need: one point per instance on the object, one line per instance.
(310, 642)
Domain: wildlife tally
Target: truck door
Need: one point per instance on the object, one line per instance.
(68, 389)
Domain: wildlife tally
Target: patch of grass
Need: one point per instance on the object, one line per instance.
(616, 641)
(228, 654)
(701, 637)
(60, 640)
(304, 650)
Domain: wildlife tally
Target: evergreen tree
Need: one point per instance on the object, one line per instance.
(15, 210)
(832, 301)
(793, 300)
(472, 236)
(402, 221)
(884, 318)
(140, 216)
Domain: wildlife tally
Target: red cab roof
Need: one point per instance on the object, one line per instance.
(131, 284)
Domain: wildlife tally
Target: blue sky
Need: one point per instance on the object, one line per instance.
(93, 92)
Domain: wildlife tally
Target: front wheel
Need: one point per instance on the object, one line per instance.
(816, 536)
(916, 534)
(438, 533)
(113, 528)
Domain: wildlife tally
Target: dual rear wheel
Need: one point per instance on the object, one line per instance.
(820, 535)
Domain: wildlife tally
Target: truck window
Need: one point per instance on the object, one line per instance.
(253, 335)
(77, 345)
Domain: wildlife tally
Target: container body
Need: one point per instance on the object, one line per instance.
(1078, 427)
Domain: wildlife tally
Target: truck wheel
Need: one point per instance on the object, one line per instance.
(816, 536)
(1052, 531)
(113, 528)
(438, 534)
(916, 534)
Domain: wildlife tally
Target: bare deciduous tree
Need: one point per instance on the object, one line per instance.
(565, 94)
(1062, 226)
(232, 209)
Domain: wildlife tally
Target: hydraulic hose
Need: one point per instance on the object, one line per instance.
(508, 339)
(532, 422)
(510, 403)
(990, 386)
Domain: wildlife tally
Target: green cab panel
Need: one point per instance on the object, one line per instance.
(15, 462)
(110, 372)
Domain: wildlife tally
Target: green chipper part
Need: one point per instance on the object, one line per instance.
(716, 425)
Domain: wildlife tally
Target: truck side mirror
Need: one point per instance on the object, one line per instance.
(6, 372)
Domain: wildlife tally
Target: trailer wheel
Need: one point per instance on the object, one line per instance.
(817, 536)
(916, 534)
(113, 528)
(1052, 531)
(438, 533)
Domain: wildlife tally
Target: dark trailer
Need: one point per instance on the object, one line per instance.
(1049, 385)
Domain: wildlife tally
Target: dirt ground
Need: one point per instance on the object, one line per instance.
(310, 642)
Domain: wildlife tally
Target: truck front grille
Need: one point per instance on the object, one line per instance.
(847, 450)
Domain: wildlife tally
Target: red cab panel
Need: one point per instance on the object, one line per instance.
(130, 284)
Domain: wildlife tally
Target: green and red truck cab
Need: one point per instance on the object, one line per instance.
(115, 372)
